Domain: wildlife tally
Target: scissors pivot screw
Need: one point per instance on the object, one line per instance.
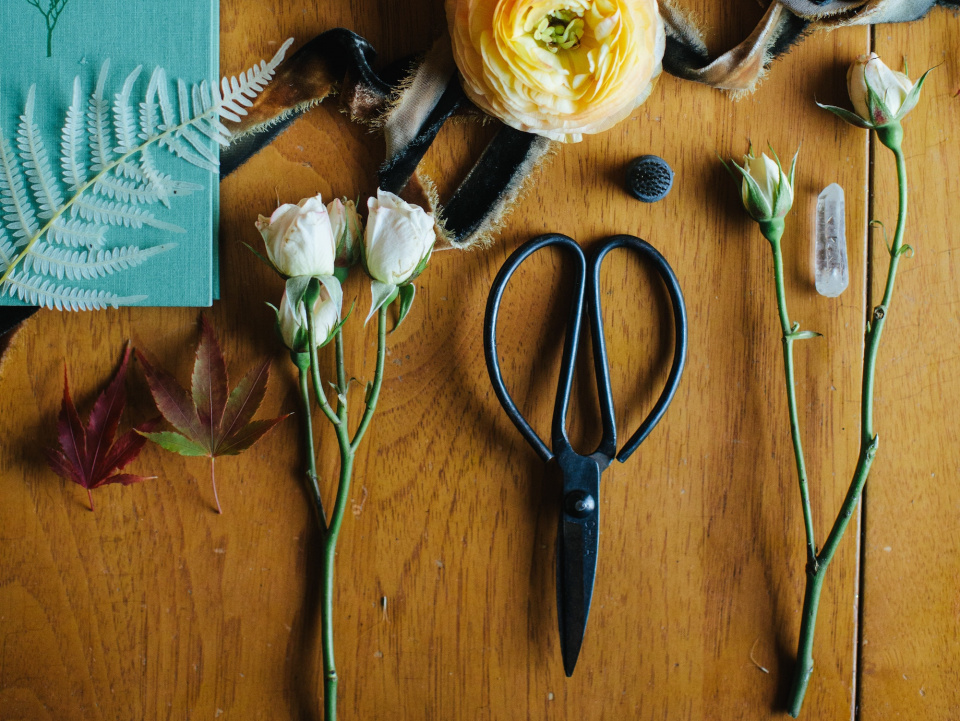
(580, 504)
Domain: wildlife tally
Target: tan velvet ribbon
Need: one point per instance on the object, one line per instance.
(740, 68)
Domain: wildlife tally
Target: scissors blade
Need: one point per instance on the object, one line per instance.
(577, 543)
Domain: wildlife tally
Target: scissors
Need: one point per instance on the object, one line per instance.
(578, 532)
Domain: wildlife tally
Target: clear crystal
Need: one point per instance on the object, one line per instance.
(830, 246)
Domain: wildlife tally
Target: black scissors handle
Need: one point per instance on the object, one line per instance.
(669, 279)
(585, 283)
(571, 342)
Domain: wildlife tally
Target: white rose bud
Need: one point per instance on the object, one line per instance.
(881, 98)
(766, 190)
(293, 322)
(890, 87)
(347, 231)
(398, 239)
(300, 239)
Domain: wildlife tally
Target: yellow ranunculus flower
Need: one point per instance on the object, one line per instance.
(558, 68)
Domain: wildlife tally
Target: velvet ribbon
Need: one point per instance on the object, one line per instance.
(411, 100)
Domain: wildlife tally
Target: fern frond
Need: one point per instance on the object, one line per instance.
(126, 191)
(148, 108)
(44, 292)
(161, 183)
(236, 95)
(34, 155)
(211, 125)
(98, 123)
(171, 142)
(110, 175)
(8, 251)
(76, 233)
(98, 210)
(159, 82)
(201, 146)
(171, 186)
(175, 146)
(183, 101)
(74, 171)
(86, 264)
(18, 213)
(123, 121)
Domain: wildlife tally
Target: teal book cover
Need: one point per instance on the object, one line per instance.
(86, 218)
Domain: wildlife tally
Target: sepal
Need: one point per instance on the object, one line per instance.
(756, 205)
(300, 342)
(913, 97)
(406, 294)
(332, 284)
(846, 115)
(265, 259)
(783, 196)
(382, 294)
(880, 115)
(297, 288)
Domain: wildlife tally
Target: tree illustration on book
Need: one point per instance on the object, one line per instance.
(51, 10)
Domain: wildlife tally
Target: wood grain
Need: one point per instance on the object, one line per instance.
(157, 608)
(911, 646)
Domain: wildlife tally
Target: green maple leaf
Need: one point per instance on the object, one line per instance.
(208, 422)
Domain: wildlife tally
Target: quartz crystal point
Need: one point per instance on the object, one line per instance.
(830, 245)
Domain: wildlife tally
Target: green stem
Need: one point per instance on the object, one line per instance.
(341, 378)
(326, 586)
(347, 454)
(378, 377)
(315, 371)
(869, 441)
(302, 361)
(773, 234)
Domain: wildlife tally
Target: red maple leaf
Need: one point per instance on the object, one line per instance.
(210, 423)
(89, 456)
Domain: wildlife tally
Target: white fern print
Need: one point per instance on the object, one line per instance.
(53, 226)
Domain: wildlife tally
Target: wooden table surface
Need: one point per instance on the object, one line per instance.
(155, 607)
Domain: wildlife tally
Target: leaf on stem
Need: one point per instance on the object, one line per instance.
(209, 422)
(89, 456)
(406, 294)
